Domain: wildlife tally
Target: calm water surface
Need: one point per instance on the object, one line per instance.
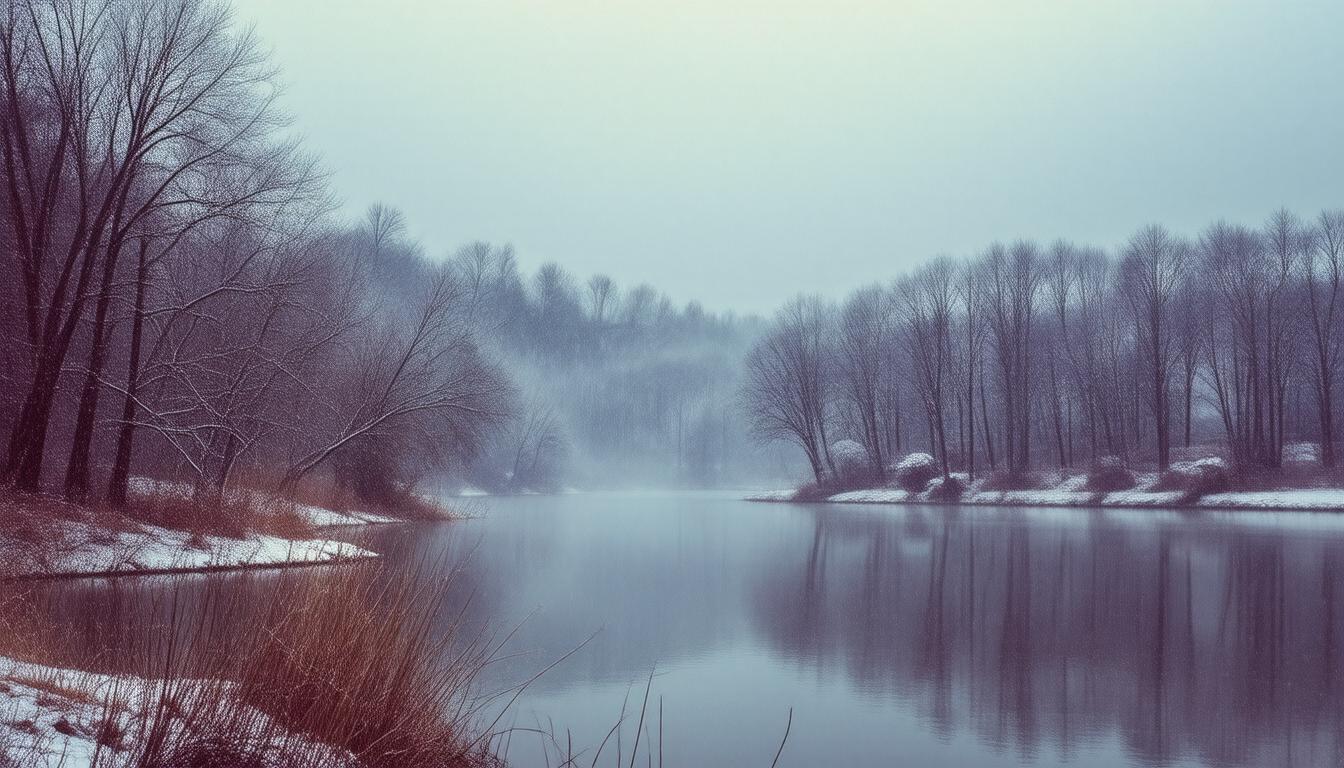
(907, 635)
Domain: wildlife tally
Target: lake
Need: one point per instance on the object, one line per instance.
(902, 634)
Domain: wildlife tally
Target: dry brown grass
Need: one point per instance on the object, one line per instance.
(323, 491)
(233, 514)
(360, 660)
(355, 666)
(405, 505)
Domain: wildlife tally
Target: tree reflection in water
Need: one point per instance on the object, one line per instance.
(1217, 641)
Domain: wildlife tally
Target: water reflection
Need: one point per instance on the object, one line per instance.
(987, 637)
(1188, 640)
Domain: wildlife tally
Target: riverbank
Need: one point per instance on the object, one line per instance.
(165, 530)
(1149, 491)
(346, 667)
(54, 716)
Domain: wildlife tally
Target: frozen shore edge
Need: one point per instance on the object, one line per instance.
(1323, 500)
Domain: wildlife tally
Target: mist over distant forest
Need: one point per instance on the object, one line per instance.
(613, 386)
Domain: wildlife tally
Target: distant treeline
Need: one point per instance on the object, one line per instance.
(1032, 355)
(619, 386)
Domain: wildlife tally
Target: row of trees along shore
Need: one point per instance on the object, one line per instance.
(175, 296)
(1035, 356)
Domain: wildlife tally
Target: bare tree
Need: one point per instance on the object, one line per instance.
(161, 110)
(1321, 272)
(1061, 277)
(601, 292)
(974, 329)
(864, 335)
(1286, 241)
(1234, 260)
(433, 371)
(928, 298)
(786, 389)
(1152, 271)
(538, 442)
(1012, 286)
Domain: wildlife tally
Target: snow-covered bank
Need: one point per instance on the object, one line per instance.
(88, 550)
(43, 537)
(1071, 492)
(318, 517)
(52, 717)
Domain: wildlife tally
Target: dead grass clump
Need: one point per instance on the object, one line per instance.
(223, 516)
(413, 506)
(324, 492)
(356, 660)
(280, 517)
(321, 492)
(351, 667)
(233, 514)
(33, 529)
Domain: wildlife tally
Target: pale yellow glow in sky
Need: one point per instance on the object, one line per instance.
(739, 151)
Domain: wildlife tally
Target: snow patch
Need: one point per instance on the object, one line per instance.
(52, 717)
(1303, 498)
(873, 496)
(148, 548)
(321, 516)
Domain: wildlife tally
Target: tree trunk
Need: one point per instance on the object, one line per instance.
(127, 432)
(121, 465)
(984, 414)
(77, 468)
(28, 441)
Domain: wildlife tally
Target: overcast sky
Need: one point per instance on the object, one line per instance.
(740, 151)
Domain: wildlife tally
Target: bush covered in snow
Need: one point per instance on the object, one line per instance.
(853, 467)
(914, 471)
(849, 456)
(1109, 474)
(946, 489)
(1196, 478)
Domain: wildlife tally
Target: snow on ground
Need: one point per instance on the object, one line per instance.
(1142, 498)
(317, 516)
(1070, 492)
(1053, 497)
(1303, 498)
(41, 723)
(873, 496)
(52, 717)
(94, 550)
(472, 491)
(321, 517)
